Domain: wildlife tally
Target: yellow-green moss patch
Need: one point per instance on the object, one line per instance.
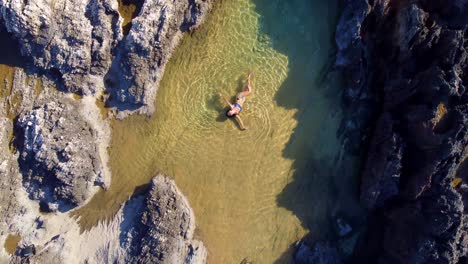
(102, 107)
(77, 96)
(38, 87)
(11, 242)
(456, 182)
(6, 80)
(440, 113)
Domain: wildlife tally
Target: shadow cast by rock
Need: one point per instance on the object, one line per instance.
(9, 49)
(317, 193)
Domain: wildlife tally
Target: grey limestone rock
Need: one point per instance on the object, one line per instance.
(161, 229)
(81, 44)
(58, 155)
(348, 36)
(71, 39)
(141, 57)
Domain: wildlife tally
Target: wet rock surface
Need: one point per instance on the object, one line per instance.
(10, 206)
(58, 156)
(407, 73)
(161, 228)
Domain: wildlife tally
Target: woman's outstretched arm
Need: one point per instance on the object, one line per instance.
(226, 100)
(241, 124)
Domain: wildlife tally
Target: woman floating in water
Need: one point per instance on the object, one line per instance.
(236, 108)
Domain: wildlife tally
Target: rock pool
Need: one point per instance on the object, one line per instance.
(258, 191)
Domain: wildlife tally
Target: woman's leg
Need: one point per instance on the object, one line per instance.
(248, 86)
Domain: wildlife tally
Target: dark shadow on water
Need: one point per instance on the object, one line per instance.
(316, 194)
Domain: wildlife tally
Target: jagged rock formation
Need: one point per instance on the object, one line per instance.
(407, 69)
(162, 228)
(75, 42)
(72, 40)
(141, 56)
(61, 142)
(58, 157)
(154, 226)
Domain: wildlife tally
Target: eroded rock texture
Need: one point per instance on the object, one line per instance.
(58, 157)
(60, 142)
(161, 229)
(81, 44)
(141, 56)
(407, 69)
(72, 40)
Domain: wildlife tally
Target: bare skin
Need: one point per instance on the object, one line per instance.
(236, 108)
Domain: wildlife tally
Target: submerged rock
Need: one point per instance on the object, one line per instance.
(59, 159)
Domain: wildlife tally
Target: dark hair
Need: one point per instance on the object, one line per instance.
(230, 116)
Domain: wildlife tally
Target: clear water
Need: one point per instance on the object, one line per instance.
(254, 192)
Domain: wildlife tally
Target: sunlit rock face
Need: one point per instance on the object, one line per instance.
(58, 157)
(76, 42)
(71, 40)
(158, 227)
(54, 144)
(143, 53)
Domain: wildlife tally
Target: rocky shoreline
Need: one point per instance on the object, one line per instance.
(406, 71)
(406, 66)
(154, 226)
(54, 139)
(84, 49)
